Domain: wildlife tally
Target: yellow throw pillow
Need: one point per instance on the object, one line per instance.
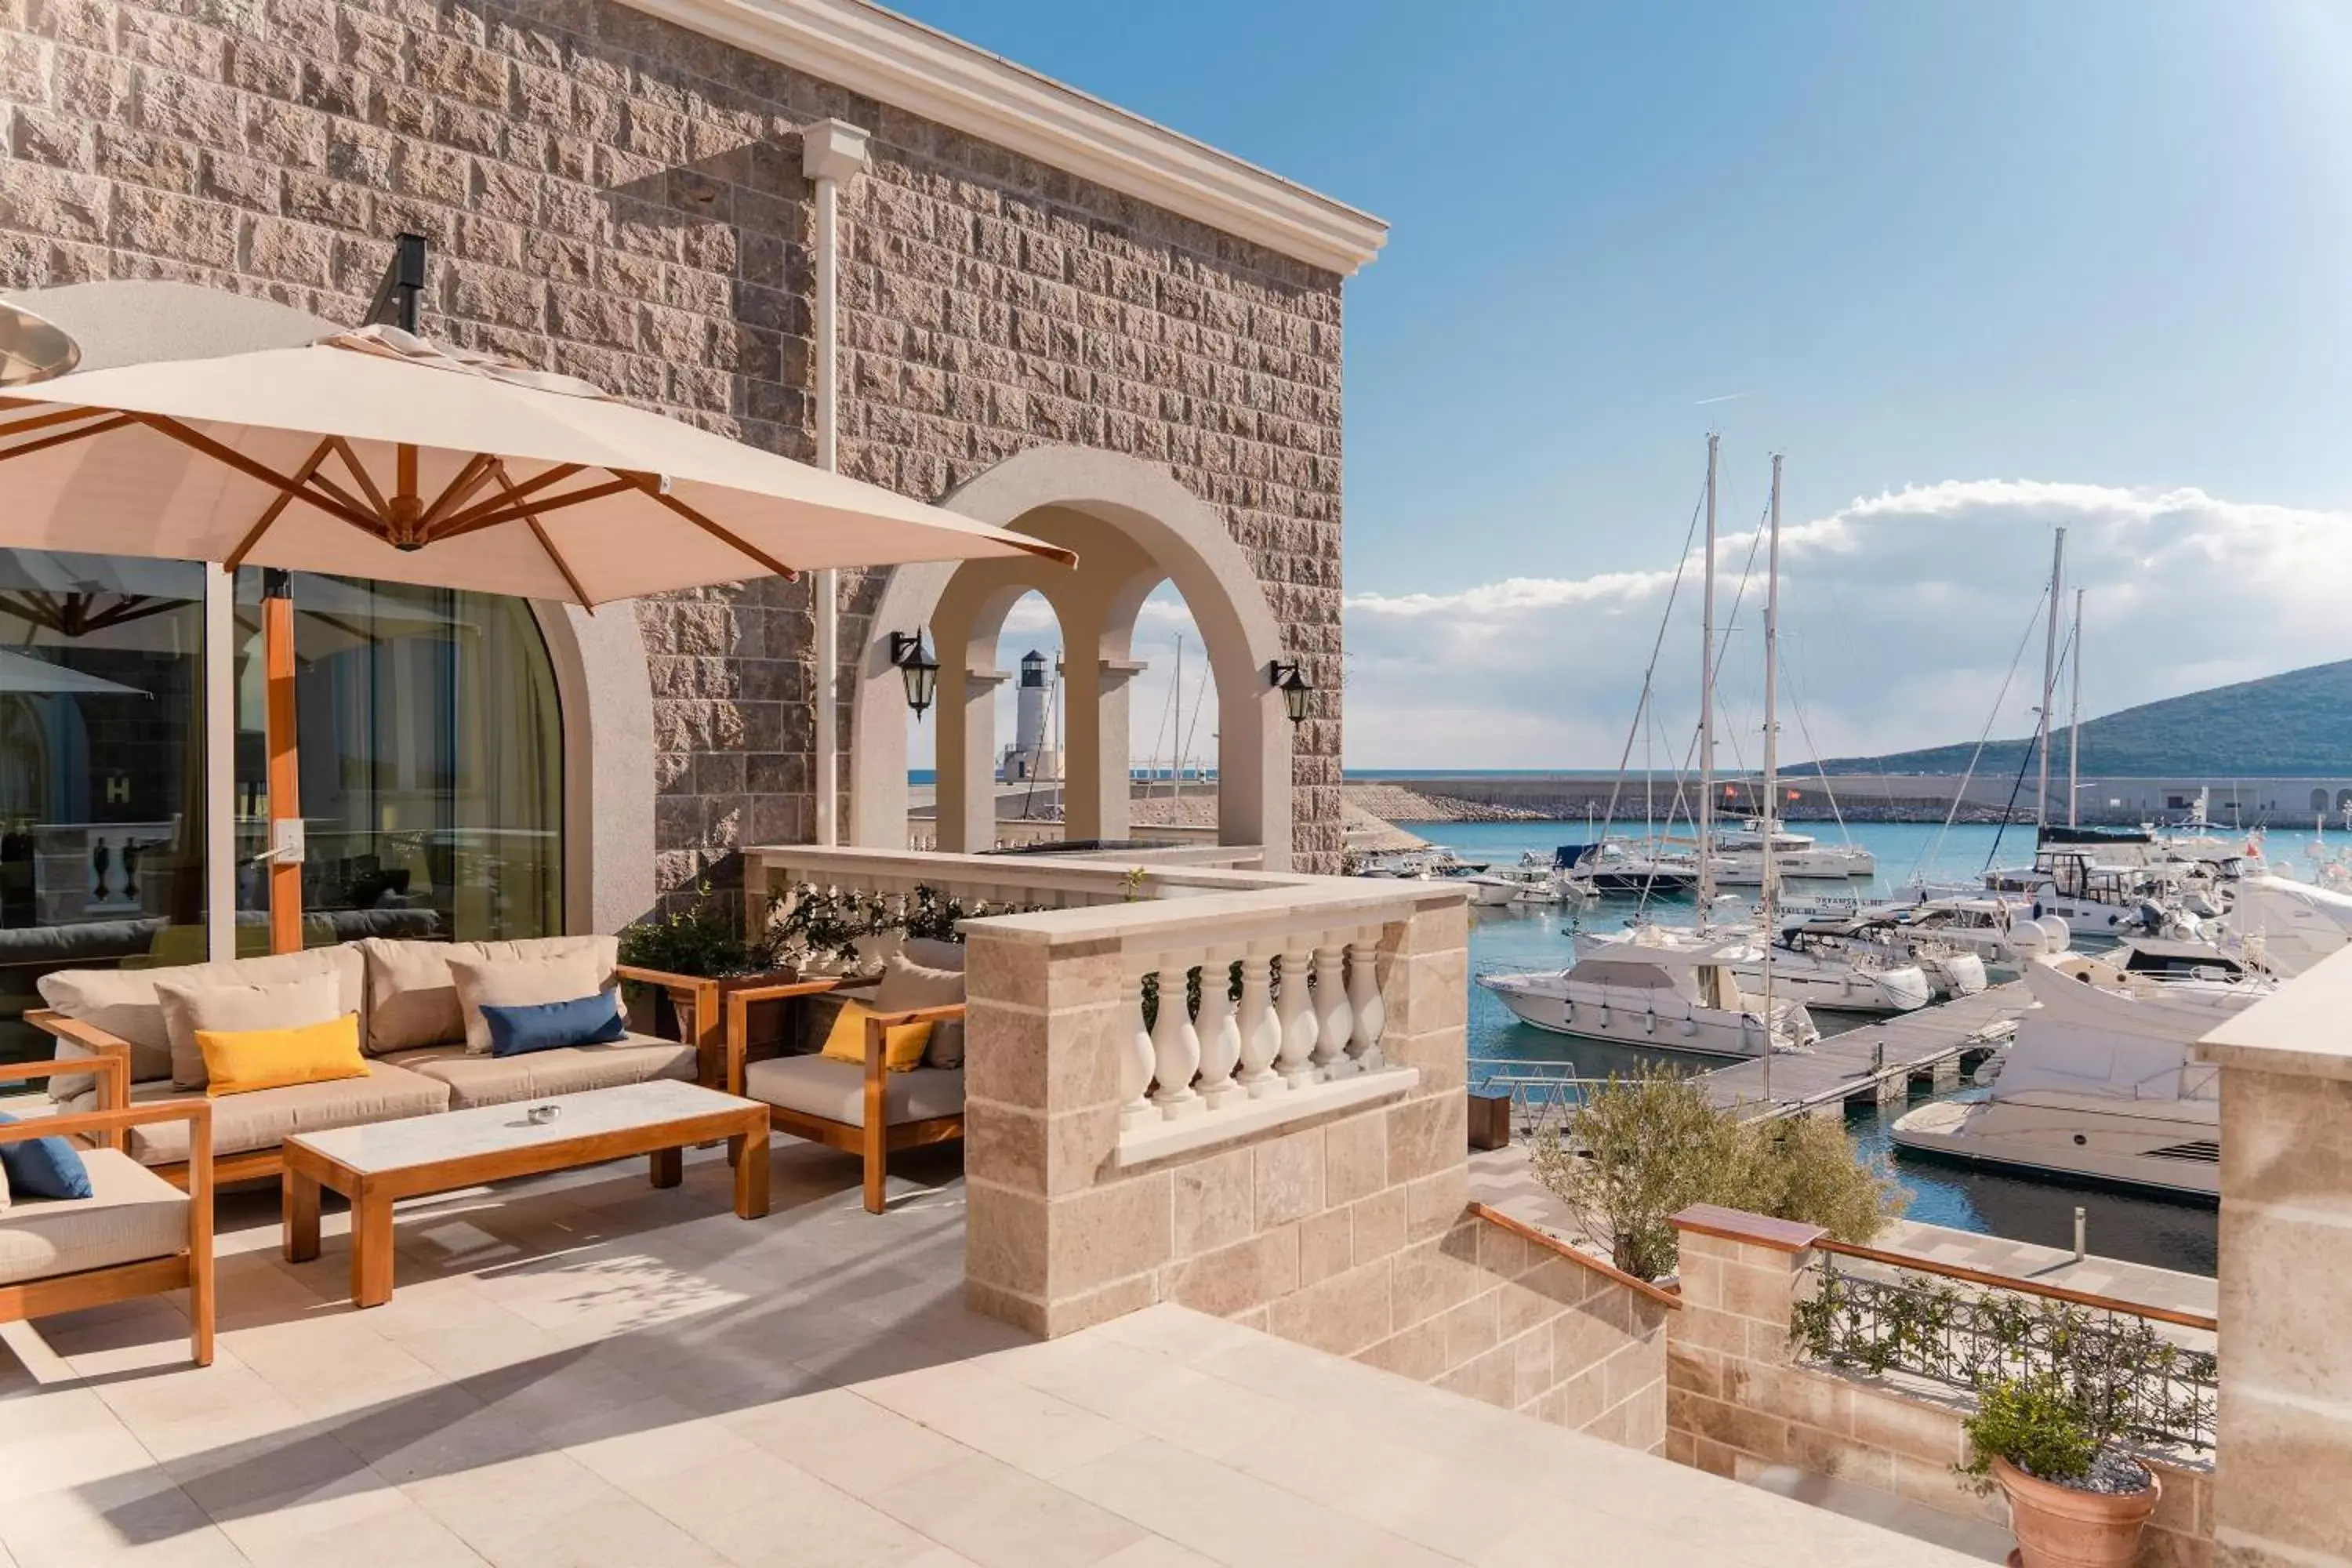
(240, 1061)
(902, 1046)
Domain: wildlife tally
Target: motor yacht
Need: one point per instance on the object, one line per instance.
(1739, 856)
(1679, 998)
(2005, 935)
(1621, 867)
(1804, 969)
(2099, 1083)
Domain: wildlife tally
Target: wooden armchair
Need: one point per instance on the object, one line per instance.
(865, 1111)
(136, 1234)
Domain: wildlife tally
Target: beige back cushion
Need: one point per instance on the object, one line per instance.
(907, 986)
(413, 1000)
(235, 1006)
(559, 969)
(125, 1003)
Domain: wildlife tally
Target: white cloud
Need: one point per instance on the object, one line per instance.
(1900, 613)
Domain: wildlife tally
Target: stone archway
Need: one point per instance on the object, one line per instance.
(1133, 526)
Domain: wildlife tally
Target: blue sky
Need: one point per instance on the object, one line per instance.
(2101, 248)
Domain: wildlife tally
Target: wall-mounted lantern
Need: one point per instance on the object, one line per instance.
(1286, 678)
(918, 669)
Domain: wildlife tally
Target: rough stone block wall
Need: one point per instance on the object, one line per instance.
(621, 199)
(1738, 1403)
(1351, 1234)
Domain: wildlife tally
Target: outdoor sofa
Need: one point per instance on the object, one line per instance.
(413, 1030)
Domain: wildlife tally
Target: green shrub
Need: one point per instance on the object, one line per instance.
(1647, 1144)
(702, 941)
(2035, 1423)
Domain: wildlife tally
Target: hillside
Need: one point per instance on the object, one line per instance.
(2297, 723)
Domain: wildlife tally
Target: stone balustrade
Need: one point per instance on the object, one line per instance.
(999, 881)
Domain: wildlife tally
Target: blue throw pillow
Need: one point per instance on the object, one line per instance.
(44, 1167)
(551, 1026)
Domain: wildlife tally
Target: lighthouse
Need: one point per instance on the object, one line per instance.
(1032, 753)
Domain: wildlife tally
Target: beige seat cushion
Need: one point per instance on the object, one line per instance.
(413, 996)
(262, 1120)
(125, 1002)
(535, 1075)
(130, 1215)
(836, 1092)
(907, 986)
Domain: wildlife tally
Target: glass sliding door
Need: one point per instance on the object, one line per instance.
(431, 773)
(101, 771)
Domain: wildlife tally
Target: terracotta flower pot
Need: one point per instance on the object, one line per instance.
(2061, 1527)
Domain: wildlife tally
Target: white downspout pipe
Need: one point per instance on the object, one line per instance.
(831, 152)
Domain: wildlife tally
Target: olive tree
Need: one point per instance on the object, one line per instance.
(1648, 1144)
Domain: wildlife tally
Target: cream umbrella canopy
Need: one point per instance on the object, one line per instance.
(375, 453)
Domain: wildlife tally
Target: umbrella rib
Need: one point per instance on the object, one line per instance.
(478, 520)
(276, 507)
(469, 479)
(652, 487)
(232, 457)
(112, 421)
(539, 531)
(528, 487)
(358, 471)
(43, 421)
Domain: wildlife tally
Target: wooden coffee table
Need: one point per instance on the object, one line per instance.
(375, 1165)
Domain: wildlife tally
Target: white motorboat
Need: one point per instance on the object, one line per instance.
(1952, 970)
(1739, 857)
(1671, 997)
(2004, 936)
(1623, 867)
(2099, 1084)
(1816, 972)
(2275, 928)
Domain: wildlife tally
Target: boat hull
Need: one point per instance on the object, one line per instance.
(2108, 1154)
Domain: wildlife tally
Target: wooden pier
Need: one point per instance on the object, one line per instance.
(1878, 1062)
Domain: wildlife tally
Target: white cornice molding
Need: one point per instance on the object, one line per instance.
(886, 57)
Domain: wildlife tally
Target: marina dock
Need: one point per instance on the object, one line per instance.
(1936, 1047)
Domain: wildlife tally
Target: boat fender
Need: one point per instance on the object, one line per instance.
(1689, 1026)
(1650, 1022)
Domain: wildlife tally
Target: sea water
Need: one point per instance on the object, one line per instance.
(2171, 1235)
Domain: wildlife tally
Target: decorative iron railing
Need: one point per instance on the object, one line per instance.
(1969, 1336)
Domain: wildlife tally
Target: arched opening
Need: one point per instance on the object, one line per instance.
(1141, 539)
(2319, 800)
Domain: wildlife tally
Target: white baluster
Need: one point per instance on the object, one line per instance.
(1175, 1043)
(1296, 1063)
(1334, 1020)
(1220, 1031)
(1135, 1056)
(1364, 994)
(1261, 1030)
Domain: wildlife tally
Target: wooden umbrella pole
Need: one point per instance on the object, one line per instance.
(285, 773)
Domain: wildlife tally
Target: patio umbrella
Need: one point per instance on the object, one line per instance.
(375, 453)
(22, 675)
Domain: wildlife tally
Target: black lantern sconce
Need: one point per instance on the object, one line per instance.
(1285, 677)
(918, 669)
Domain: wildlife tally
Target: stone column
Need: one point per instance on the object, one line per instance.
(1740, 1273)
(2284, 1440)
(1095, 758)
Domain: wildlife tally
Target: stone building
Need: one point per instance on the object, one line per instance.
(1049, 313)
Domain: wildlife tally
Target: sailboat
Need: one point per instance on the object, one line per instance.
(1685, 991)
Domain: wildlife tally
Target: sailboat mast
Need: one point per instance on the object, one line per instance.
(2074, 717)
(1771, 761)
(2049, 680)
(1705, 815)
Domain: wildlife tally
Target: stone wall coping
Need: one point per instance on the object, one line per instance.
(1209, 1129)
(1291, 906)
(927, 72)
(1600, 1266)
(2299, 1032)
(1754, 1230)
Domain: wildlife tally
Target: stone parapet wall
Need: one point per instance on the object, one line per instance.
(1350, 1232)
(1739, 1403)
(618, 198)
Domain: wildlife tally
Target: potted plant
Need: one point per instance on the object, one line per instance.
(700, 948)
(2075, 1499)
